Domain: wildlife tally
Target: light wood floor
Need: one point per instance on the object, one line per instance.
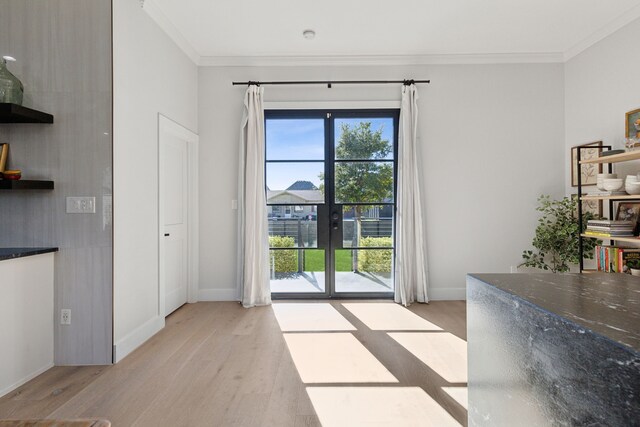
(218, 364)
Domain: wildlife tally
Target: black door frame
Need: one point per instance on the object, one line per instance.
(330, 239)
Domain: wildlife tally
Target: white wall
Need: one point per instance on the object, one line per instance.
(71, 40)
(151, 75)
(600, 87)
(492, 141)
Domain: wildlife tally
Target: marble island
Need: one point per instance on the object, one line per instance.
(547, 349)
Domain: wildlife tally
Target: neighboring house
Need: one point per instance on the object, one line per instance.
(300, 198)
(298, 203)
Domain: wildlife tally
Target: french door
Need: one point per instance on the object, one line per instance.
(331, 180)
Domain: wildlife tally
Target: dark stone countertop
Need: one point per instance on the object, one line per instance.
(605, 303)
(11, 253)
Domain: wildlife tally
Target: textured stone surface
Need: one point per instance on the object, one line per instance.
(11, 253)
(553, 349)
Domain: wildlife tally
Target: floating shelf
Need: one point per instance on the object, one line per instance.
(617, 239)
(616, 158)
(25, 184)
(14, 113)
(618, 197)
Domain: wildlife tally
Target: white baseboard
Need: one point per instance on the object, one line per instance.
(226, 294)
(447, 294)
(137, 337)
(25, 380)
(231, 294)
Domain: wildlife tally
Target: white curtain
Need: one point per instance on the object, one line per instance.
(253, 233)
(411, 275)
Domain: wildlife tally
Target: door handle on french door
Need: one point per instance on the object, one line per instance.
(335, 216)
(334, 225)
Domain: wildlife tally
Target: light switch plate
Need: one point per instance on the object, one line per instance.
(84, 205)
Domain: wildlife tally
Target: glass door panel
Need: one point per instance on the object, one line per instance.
(364, 270)
(295, 138)
(295, 171)
(368, 138)
(293, 226)
(363, 182)
(297, 271)
(367, 226)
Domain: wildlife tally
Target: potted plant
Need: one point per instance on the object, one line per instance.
(634, 266)
(557, 236)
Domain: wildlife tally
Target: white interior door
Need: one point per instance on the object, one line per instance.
(175, 200)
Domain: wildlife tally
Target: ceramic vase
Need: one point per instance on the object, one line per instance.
(11, 89)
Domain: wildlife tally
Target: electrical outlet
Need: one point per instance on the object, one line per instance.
(81, 205)
(65, 316)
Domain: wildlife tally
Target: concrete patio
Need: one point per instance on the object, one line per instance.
(313, 282)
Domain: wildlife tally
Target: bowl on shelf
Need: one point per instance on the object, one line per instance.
(612, 184)
(601, 177)
(11, 174)
(632, 187)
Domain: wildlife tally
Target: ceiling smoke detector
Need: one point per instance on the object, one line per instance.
(309, 34)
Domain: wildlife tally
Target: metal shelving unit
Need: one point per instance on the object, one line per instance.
(609, 161)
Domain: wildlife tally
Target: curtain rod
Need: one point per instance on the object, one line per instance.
(329, 83)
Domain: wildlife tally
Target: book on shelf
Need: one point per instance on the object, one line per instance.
(607, 222)
(609, 234)
(610, 228)
(626, 255)
(614, 259)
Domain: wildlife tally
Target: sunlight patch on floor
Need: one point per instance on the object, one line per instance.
(459, 394)
(335, 358)
(377, 406)
(310, 317)
(443, 352)
(389, 317)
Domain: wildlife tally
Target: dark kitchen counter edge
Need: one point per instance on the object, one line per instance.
(12, 253)
(484, 279)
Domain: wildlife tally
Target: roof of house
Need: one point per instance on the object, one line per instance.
(302, 185)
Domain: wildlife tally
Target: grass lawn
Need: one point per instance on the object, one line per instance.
(314, 260)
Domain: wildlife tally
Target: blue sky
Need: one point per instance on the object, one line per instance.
(303, 139)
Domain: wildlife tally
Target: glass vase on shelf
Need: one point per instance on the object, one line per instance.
(632, 144)
(11, 88)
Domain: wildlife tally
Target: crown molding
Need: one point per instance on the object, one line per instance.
(154, 11)
(615, 25)
(377, 60)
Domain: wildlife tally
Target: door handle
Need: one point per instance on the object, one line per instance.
(335, 216)
(166, 234)
(335, 225)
